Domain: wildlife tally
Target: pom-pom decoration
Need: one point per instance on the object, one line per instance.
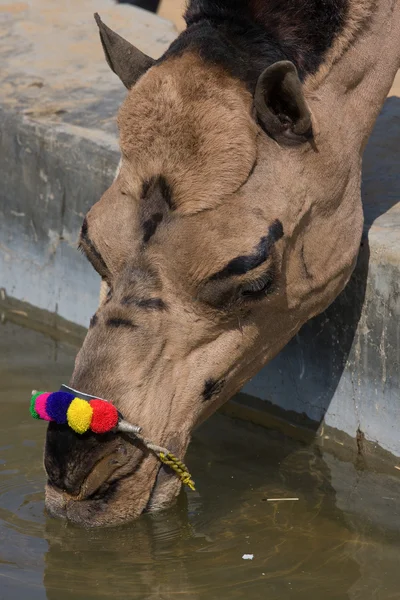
(32, 408)
(41, 406)
(57, 406)
(81, 415)
(105, 416)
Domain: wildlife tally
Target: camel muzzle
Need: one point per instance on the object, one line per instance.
(83, 413)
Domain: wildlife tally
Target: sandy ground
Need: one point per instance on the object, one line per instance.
(395, 91)
(173, 10)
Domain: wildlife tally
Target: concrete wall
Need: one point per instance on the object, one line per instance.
(58, 153)
(58, 142)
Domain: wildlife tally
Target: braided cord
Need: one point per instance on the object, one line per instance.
(179, 467)
(169, 459)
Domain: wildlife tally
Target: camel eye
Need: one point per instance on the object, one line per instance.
(228, 292)
(257, 289)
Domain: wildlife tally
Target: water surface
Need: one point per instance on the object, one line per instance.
(339, 540)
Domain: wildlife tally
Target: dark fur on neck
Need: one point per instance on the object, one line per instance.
(246, 36)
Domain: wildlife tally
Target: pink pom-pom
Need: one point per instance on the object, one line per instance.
(40, 406)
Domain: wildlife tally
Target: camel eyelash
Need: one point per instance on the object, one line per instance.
(258, 288)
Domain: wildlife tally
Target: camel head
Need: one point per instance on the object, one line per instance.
(233, 219)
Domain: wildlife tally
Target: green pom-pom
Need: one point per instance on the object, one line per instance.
(32, 406)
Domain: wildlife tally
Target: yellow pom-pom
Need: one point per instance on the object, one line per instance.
(79, 415)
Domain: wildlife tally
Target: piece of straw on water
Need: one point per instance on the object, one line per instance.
(282, 499)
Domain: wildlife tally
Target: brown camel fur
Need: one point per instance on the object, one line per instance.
(235, 218)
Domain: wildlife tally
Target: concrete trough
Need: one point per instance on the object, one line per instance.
(58, 152)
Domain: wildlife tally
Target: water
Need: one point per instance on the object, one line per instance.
(339, 540)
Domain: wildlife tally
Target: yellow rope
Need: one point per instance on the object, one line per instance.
(163, 454)
(179, 467)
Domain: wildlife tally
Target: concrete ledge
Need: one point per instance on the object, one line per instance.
(58, 143)
(58, 153)
(50, 178)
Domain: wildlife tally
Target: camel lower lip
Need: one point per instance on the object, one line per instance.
(121, 500)
(85, 513)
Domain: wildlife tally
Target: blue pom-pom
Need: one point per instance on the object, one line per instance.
(57, 405)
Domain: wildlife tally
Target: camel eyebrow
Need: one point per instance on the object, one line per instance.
(88, 247)
(245, 263)
(146, 303)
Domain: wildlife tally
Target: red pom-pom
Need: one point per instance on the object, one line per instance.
(105, 416)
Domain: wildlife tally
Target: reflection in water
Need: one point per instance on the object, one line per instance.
(340, 540)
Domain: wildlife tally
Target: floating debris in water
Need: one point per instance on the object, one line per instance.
(282, 499)
(20, 313)
(248, 556)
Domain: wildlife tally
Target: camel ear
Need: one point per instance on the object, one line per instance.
(125, 60)
(280, 104)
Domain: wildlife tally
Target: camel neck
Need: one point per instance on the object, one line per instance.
(359, 71)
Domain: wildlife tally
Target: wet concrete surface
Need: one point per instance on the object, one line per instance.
(339, 540)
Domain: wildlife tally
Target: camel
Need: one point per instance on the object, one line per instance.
(234, 218)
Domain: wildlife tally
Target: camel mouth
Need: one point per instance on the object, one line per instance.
(110, 495)
(94, 511)
(111, 504)
(101, 470)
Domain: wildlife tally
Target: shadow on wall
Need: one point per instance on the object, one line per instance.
(151, 5)
(332, 369)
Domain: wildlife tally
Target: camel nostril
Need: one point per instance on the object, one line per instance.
(77, 465)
